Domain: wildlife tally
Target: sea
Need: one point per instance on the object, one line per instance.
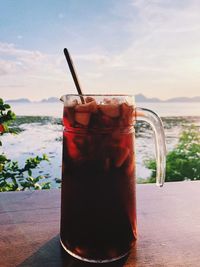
(39, 138)
(55, 109)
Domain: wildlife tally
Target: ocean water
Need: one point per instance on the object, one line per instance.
(55, 109)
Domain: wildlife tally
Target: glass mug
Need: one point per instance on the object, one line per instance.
(98, 195)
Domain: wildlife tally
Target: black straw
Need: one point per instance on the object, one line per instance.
(74, 75)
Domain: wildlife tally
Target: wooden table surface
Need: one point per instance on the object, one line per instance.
(168, 225)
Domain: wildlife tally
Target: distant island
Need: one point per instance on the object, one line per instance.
(50, 100)
(26, 100)
(19, 100)
(142, 98)
(138, 98)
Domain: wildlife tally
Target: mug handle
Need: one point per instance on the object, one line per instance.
(155, 122)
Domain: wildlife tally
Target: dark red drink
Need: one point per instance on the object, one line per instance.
(98, 209)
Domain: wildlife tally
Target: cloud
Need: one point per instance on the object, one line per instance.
(161, 57)
(95, 58)
(9, 50)
(37, 74)
(25, 62)
(8, 67)
(168, 16)
(166, 34)
(93, 75)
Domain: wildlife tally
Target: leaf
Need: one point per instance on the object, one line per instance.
(46, 185)
(37, 186)
(6, 106)
(45, 157)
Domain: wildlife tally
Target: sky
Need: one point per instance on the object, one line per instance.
(118, 46)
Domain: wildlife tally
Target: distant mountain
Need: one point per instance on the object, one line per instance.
(138, 98)
(19, 100)
(50, 100)
(184, 99)
(142, 98)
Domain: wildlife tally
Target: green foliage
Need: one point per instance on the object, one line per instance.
(6, 117)
(183, 162)
(12, 176)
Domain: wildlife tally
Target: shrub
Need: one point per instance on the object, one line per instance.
(183, 162)
(12, 176)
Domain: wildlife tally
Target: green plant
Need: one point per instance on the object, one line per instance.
(6, 117)
(183, 162)
(12, 176)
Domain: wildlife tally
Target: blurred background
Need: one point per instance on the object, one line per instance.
(146, 48)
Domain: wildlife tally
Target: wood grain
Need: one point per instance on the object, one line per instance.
(168, 225)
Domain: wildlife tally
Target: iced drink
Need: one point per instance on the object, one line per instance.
(98, 209)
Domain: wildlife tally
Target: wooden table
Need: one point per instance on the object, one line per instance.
(168, 224)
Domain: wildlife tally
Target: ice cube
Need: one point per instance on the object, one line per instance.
(69, 110)
(83, 118)
(70, 103)
(89, 99)
(106, 101)
(110, 110)
(74, 103)
(68, 117)
(92, 106)
(83, 112)
(73, 151)
(115, 101)
(127, 114)
(88, 107)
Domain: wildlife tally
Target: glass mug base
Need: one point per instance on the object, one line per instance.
(93, 260)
